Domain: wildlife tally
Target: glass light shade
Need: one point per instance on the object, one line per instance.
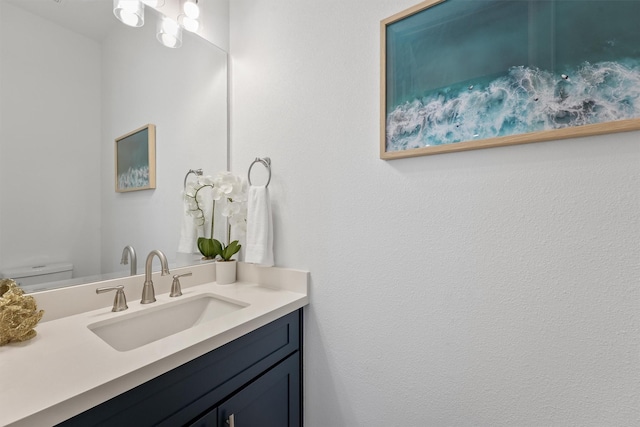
(169, 33)
(129, 12)
(188, 24)
(191, 9)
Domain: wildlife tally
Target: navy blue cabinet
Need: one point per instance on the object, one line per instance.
(254, 381)
(272, 400)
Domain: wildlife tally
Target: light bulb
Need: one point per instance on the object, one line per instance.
(168, 40)
(189, 24)
(191, 9)
(169, 33)
(129, 12)
(169, 26)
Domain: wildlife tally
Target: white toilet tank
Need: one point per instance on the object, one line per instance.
(29, 276)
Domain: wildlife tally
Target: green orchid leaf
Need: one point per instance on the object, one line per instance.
(207, 247)
(218, 248)
(232, 249)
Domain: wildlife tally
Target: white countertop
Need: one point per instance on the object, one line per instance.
(67, 369)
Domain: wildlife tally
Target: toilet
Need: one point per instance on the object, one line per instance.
(33, 278)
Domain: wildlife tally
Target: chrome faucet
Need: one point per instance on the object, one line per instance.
(129, 253)
(148, 293)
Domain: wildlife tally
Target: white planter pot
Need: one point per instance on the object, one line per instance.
(226, 272)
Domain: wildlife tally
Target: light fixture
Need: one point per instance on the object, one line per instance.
(191, 8)
(130, 12)
(188, 24)
(169, 33)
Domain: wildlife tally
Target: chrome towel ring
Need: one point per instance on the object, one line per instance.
(266, 161)
(196, 172)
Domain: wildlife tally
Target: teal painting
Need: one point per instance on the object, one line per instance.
(135, 160)
(466, 74)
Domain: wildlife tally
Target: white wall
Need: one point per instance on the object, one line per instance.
(496, 287)
(46, 128)
(184, 93)
(215, 22)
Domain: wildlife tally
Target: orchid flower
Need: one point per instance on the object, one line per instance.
(226, 188)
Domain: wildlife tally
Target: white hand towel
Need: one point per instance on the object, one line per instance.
(188, 242)
(259, 246)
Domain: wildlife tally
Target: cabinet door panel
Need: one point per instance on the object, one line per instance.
(273, 400)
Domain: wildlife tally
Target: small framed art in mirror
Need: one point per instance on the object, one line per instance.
(136, 160)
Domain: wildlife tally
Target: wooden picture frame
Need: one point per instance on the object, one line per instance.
(461, 75)
(135, 160)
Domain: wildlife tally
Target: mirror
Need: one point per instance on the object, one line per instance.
(72, 80)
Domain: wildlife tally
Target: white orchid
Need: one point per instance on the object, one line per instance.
(226, 188)
(238, 223)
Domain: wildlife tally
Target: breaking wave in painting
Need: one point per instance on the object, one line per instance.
(522, 101)
(134, 178)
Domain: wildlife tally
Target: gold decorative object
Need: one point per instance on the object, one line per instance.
(18, 313)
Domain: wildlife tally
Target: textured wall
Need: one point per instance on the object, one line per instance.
(497, 287)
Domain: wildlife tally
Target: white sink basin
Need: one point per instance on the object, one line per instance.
(153, 323)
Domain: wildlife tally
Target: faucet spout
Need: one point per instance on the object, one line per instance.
(148, 293)
(129, 253)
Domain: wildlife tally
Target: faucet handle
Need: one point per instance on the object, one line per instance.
(176, 291)
(120, 300)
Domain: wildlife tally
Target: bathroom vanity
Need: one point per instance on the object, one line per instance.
(240, 368)
(254, 381)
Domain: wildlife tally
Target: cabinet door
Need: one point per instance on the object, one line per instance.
(272, 400)
(210, 419)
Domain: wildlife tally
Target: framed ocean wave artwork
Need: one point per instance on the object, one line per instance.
(135, 160)
(466, 74)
